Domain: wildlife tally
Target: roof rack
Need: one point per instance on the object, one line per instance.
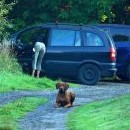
(72, 24)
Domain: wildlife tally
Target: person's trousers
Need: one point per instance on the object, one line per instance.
(39, 54)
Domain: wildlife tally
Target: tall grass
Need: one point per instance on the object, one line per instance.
(8, 63)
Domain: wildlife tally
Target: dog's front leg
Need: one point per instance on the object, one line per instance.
(57, 104)
(68, 105)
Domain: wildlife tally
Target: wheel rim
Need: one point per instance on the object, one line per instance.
(89, 74)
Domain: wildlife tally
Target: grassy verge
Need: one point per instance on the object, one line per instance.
(12, 112)
(112, 114)
(9, 81)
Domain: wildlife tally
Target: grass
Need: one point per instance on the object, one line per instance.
(12, 112)
(9, 82)
(112, 114)
(12, 81)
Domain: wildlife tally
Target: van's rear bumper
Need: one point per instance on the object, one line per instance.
(109, 73)
(109, 70)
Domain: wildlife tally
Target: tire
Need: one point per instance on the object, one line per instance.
(89, 74)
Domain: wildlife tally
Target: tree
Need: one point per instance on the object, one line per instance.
(4, 23)
(26, 13)
(122, 12)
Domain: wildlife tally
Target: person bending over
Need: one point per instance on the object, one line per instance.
(39, 49)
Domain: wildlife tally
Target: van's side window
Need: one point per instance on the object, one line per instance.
(65, 38)
(93, 39)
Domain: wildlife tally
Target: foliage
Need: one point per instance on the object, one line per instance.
(111, 114)
(4, 23)
(121, 10)
(26, 13)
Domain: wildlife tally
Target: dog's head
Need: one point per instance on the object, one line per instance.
(62, 86)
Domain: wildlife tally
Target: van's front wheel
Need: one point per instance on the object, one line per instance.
(89, 74)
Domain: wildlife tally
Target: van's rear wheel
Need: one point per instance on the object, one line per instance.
(89, 74)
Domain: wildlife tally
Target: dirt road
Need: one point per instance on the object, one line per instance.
(46, 117)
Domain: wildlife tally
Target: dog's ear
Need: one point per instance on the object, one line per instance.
(57, 86)
(67, 86)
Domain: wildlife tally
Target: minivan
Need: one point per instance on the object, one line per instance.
(80, 52)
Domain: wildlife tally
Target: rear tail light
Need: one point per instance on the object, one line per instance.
(113, 54)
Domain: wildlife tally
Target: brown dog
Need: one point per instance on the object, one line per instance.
(65, 98)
